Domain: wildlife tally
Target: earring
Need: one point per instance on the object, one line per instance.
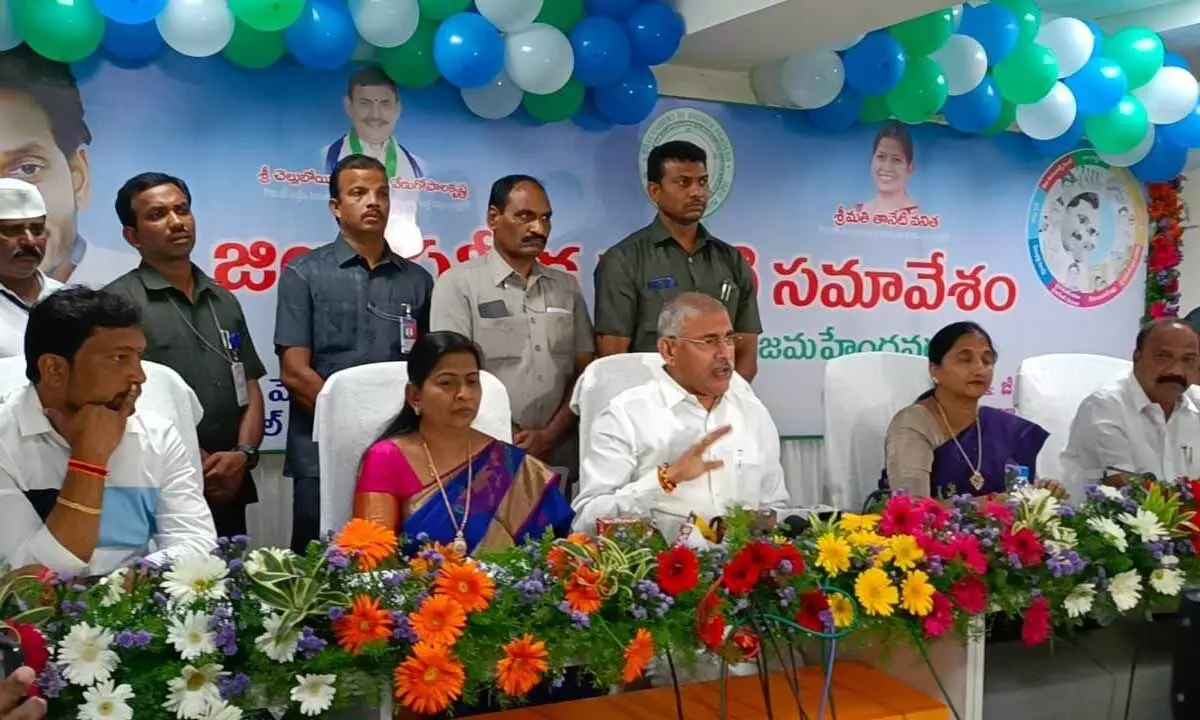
(417, 410)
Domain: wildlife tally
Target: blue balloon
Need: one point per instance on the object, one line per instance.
(875, 64)
(839, 115)
(132, 45)
(130, 12)
(655, 30)
(1097, 33)
(1172, 59)
(1185, 133)
(1062, 144)
(615, 9)
(324, 36)
(588, 118)
(1098, 86)
(602, 51)
(994, 26)
(468, 50)
(976, 111)
(630, 100)
(1163, 163)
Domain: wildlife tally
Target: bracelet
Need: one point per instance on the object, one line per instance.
(664, 479)
(77, 506)
(84, 468)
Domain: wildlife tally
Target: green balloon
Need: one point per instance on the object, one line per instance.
(254, 49)
(925, 34)
(1139, 52)
(439, 10)
(558, 105)
(562, 14)
(1029, 18)
(875, 110)
(267, 15)
(1008, 115)
(1119, 130)
(411, 64)
(921, 92)
(62, 31)
(1027, 74)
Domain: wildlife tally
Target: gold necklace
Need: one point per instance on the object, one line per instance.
(459, 545)
(976, 475)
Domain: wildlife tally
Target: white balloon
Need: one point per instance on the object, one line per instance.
(956, 14)
(9, 38)
(539, 59)
(198, 28)
(1170, 96)
(385, 23)
(1134, 156)
(964, 62)
(509, 15)
(498, 99)
(1071, 41)
(1049, 117)
(813, 79)
(766, 81)
(843, 46)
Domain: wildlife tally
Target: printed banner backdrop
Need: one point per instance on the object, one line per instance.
(853, 250)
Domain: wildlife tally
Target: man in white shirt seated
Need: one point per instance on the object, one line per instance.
(22, 246)
(1145, 422)
(685, 441)
(85, 485)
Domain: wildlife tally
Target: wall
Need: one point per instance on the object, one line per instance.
(1189, 269)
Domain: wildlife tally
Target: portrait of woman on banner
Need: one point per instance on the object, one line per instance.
(891, 169)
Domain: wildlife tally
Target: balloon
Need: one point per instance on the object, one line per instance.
(975, 111)
(813, 79)
(1132, 156)
(875, 64)
(438, 10)
(965, 63)
(197, 28)
(1165, 162)
(1097, 36)
(510, 15)
(1185, 133)
(615, 9)
(1028, 16)
(324, 38)
(468, 50)
(1171, 59)
(1027, 74)
(1120, 129)
(994, 26)
(588, 118)
(844, 46)
(1139, 52)
(1008, 113)
(252, 48)
(630, 100)
(1049, 117)
(412, 64)
(539, 59)
(1169, 96)
(875, 110)
(385, 23)
(134, 44)
(926, 33)
(130, 12)
(655, 31)
(766, 81)
(602, 51)
(1099, 86)
(267, 15)
(921, 93)
(1071, 41)
(498, 99)
(556, 106)
(839, 115)
(9, 38)
(562, 14)
(1062, 144)
(956, 12)
(65, 32)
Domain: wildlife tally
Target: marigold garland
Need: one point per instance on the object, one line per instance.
(1168, 213)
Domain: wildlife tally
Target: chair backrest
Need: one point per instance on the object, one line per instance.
(1049, 390)
(862, 393)
(354, 407)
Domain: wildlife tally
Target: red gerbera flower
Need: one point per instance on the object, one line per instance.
(971, 594)
(762, 556)
(745, 640)
(1000, 513)
(710, 623)
(967, 548)
(1025, 545)
(940, 620)
(936, 514)
(740, 575)
(812, 604)
(1036, 628)
(795, 561)
(900, 517)
(678, 570)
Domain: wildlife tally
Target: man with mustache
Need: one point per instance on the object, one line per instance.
(1145, 422)
(692, 439)
(197, 328)
(22, 246)
(530, 320)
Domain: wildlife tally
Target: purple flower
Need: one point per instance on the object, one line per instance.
(564, 606)
(934, 566)
(124, 639)
(235, 593)
(422, 537)
(785, 567)
(826, 617)
(336, 613)
(235, 564)
(232, 686)
(79, 588)
(337, 559)
(1066, 511)
(309, 643)
(141, 638)
(638, 612)
(50, 681)
(242, 540)
(403, 630)
(580, 620)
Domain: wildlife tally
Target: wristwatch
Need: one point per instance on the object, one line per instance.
(251, 454)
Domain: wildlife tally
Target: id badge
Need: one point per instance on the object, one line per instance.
(239, 383)
(408, 334)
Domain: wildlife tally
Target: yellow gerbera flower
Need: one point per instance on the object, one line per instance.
(833, 554)
(866, 538)
(841, 609)
(904, 552)
(849, 522)
(918, 594)
(876, 593)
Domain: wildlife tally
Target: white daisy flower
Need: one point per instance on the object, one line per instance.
(86, 655)
(1126, 590)
(223, 711)
(277, 642)
(1110, 492)
(191, 694)
(1080, 601)
(314, 693)
(192, 577)
(1166, 581)
(1110, 532)
(1145, 524)
(105, 702)
(1039, 506)
(114, 587)
(191, 635)
(1170, 561)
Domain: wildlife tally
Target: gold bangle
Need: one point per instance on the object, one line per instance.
(77, 506)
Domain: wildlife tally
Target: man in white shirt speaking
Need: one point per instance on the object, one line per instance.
(688, 440)
(85, 485)
(1145, 422)
(22, 247)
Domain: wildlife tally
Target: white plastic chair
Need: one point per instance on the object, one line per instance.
(1049, 390)
(862, 393)
(355, 405)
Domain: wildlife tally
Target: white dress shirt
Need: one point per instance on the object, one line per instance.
(655, 423)
(1119, 429)
(153, 493)
(14, 316)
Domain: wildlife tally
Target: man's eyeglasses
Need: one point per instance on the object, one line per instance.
(711, 342)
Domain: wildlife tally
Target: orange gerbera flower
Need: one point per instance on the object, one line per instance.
(637, 655)
(366, 541)
(439, 620)
(521, 668)
(469, 586)
(583, 591)
(429, 679)
(366, 623)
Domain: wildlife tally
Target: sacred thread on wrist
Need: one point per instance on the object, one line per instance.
(664, 479)
(84, 468)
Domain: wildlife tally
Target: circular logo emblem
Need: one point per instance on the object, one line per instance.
(695, 126)
(1087, 229)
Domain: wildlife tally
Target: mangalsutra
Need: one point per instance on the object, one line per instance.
(977, 466)
(459, 545)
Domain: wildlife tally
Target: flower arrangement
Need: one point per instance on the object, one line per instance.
(1168, 213)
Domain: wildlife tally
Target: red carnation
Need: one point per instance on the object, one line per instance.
(678, 570)
(1036, 628)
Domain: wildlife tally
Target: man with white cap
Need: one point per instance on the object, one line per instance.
(22, 247)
